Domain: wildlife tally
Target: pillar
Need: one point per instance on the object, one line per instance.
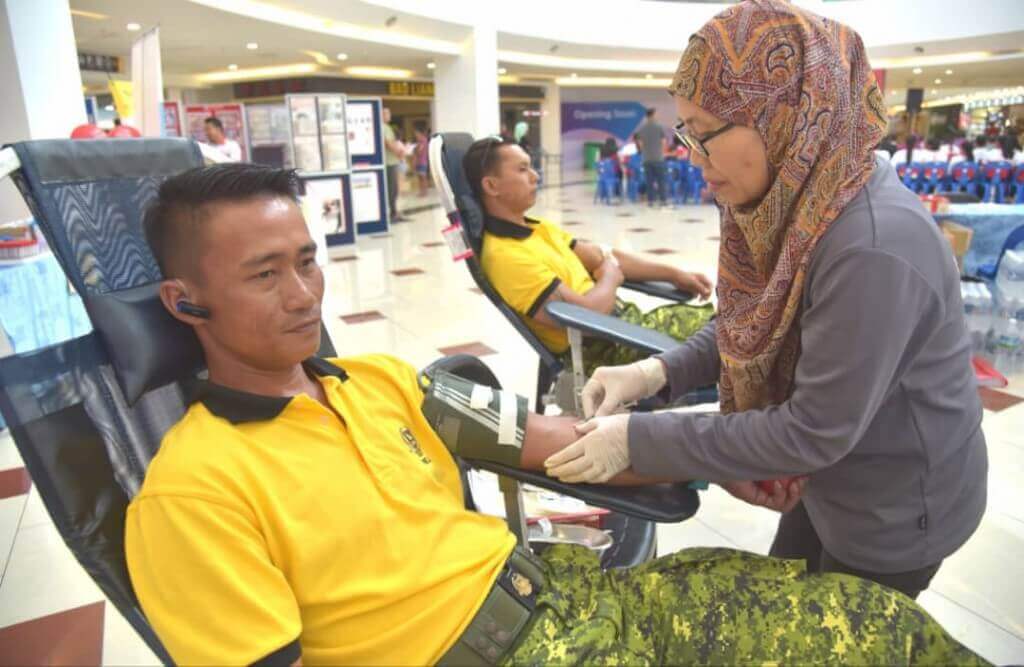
(466, 86)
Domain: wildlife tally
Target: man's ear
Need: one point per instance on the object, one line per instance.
(489, 186)
(173, 291)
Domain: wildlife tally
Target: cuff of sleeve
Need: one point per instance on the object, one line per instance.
(543, 296)
(675, 371)
(284, 656)
(572, 244)
(642, 446)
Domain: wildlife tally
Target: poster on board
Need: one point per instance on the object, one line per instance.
(305, 135)
(171, 112)
(366, 197)
(269, 135)
(333, 135)
(231, 115)
(365, 144)
(323, 206)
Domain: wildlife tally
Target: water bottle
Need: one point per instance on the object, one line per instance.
(1007, 343)
(1010, 279)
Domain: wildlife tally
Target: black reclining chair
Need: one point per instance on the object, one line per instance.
(461, 205)
(87, 415)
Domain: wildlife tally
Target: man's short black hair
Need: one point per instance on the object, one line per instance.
(650, 111)
(481, 159)
(213, 120)
(172, 221)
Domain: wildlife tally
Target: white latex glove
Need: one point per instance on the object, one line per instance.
(611, 387)
(599, 455)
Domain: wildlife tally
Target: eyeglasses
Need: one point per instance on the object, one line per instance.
(695, 144)
(492, 141)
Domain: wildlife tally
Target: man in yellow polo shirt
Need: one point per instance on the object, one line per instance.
(305, 511)
(531, 262)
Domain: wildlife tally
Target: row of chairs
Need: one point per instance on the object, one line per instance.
(683, 181)
(997, 182)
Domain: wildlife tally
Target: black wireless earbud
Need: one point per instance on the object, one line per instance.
(193, 310)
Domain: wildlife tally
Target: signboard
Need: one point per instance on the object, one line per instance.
(411, 88)
(122, 94)
(231, 115)
(97, 63)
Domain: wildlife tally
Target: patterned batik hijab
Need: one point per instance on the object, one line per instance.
(803, 82)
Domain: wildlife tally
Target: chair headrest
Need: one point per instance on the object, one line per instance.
(147, 347)
(456, 144)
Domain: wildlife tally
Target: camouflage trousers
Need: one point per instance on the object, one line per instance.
(713, 606)
(678, 320)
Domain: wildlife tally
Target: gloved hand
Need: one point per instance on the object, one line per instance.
(599, 455)
(611, 387)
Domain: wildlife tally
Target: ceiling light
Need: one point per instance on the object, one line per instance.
(89, 15)
(574, 75)
(233, 67)
(431, 65)
(258, 73)
(938, 81)
(648, 76)
(109, 107)
(252, 46)
(934, 92)
(379, 72)
(502, 70)
(342, 56)
(949, 72)
(613, 82)
(917, 70)
(132, 27)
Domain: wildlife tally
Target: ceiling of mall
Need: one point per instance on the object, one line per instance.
(197, 38)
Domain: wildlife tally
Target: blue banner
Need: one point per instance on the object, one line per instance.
(619, 119)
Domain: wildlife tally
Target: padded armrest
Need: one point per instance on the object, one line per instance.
(664, 503)
(660, 289)
(610, 328)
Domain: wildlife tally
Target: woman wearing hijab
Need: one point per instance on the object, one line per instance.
(840, 348)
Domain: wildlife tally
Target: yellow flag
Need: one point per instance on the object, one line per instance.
(122, 92)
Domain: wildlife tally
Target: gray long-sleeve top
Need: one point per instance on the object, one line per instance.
(885, 416)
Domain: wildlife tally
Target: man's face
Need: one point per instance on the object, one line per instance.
(259, 280)
(513, 182)
(213, 133)
(386, 115)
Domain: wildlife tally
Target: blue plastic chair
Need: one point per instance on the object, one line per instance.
(695, 184)
(635, 171)
(1018, 180)
(934, 177)
(962, 177)
(676, 172)
(912, 176)
(990, 270)
(997, 176)
(607, 181)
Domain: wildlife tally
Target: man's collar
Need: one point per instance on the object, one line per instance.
(507, 229)
(240, 407)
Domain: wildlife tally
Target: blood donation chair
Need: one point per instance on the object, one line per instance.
(87, 415)
(466, 214)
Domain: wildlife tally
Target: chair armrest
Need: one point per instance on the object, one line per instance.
(658, 288)
(609, 328)
(665, 503)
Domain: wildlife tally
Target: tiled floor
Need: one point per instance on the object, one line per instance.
(371, 307)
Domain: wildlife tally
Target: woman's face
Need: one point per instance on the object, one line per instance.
(736, 168)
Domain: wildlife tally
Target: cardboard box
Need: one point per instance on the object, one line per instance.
(959, 238)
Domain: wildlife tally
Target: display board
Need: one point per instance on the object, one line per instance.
(232, 115)
(319, 137)
(269, 135)
(365, 132)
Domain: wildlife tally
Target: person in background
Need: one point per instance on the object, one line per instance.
(394, 152)
(1008, 147)
(932, 153)
(421, 148)
(610, 150)
(888, 146)
(219, 142)
(906, 155)
(982, 154)
(966, 154)
(652, 143)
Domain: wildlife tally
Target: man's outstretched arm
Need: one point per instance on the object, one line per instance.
(478, 422)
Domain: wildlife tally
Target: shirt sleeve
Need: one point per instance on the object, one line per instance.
(693, 364)
(869, 312)
(523, 281)
(205, 580)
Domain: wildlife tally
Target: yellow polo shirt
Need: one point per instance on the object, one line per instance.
(527, 264)
(273, 527)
